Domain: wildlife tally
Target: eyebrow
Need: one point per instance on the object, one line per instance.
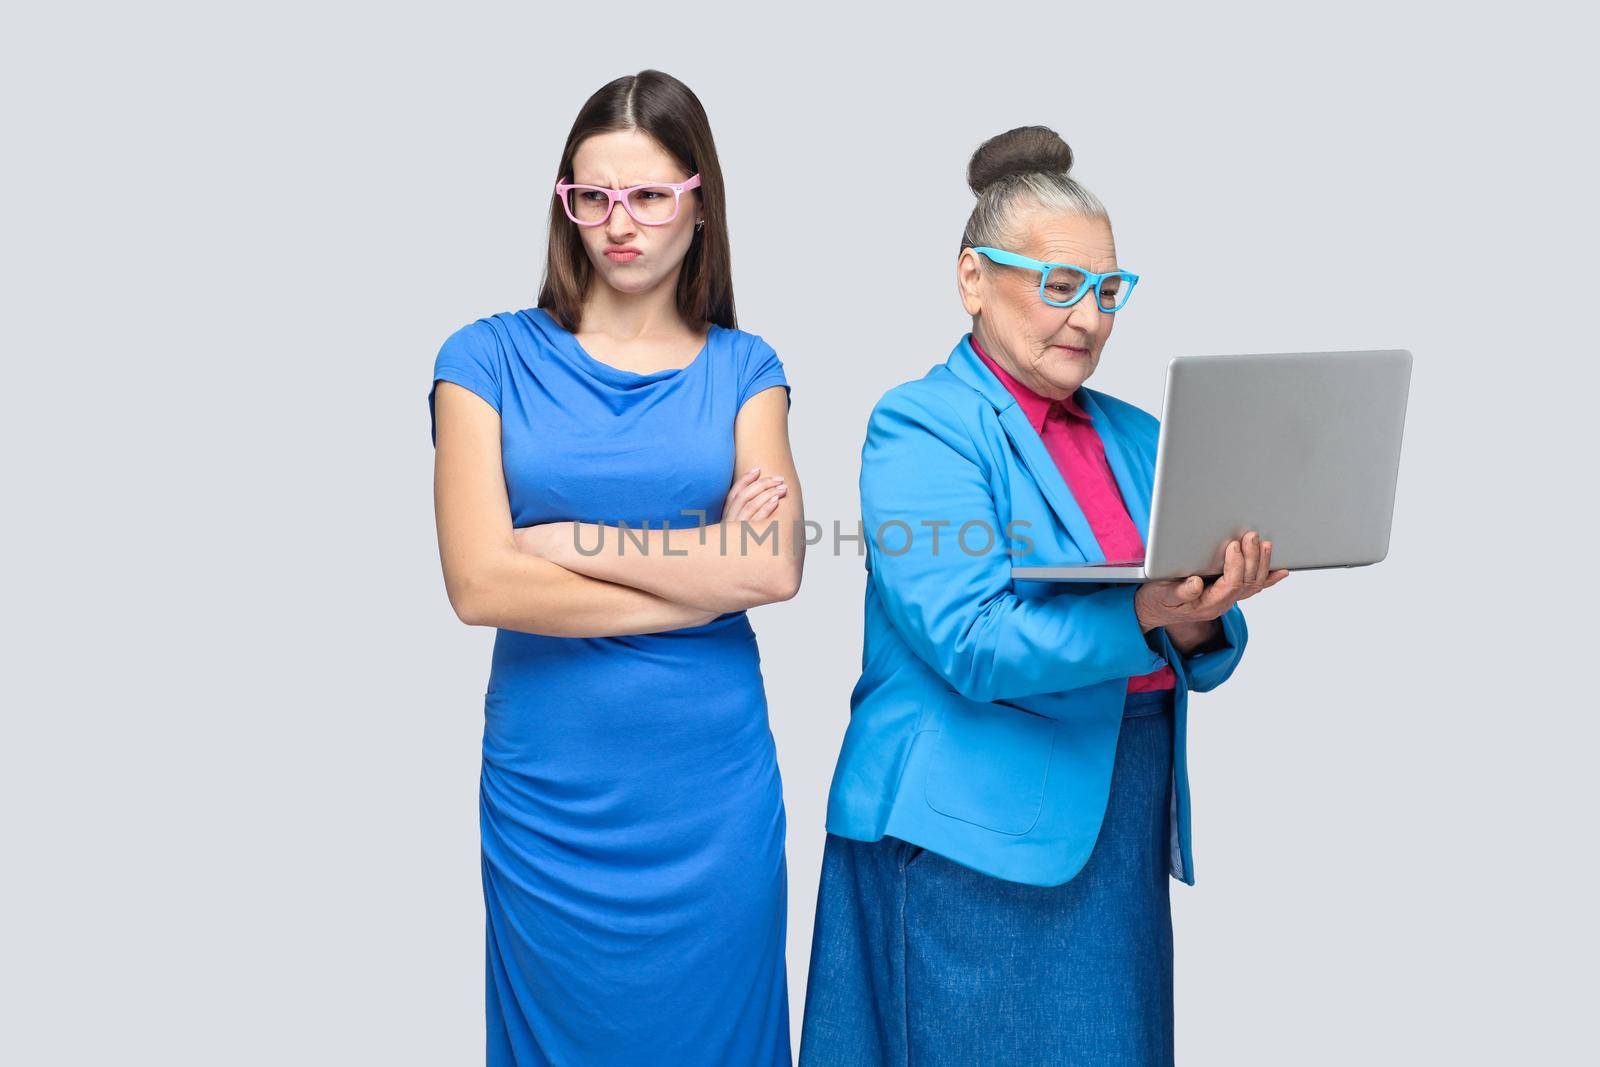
(1074, 262)
(630, 185)
(1067, 263)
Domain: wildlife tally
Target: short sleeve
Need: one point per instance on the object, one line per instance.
(761, 370)
(470, 357)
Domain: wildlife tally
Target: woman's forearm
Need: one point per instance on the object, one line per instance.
(515, 591)
(728, 566)
(1190, 638)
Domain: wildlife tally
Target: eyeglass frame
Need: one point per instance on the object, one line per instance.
(1091, 279)
(616, 195)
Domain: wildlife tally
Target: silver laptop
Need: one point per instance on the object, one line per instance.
(1303, 447)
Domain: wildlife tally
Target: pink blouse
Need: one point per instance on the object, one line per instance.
(1070, 437)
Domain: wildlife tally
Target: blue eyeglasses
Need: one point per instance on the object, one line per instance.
(1063, 284)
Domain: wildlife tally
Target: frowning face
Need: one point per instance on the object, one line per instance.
(630, 256)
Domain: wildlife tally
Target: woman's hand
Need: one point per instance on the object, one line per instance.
(752, 498)
(1246, 570)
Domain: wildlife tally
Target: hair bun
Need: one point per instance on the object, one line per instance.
(1024, 150)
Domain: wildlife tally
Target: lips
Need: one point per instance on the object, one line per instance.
(1071, 351)
(622, 255)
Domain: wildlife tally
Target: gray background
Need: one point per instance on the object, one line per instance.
(242, 725)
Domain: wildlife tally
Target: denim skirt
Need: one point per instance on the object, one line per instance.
(918, 960)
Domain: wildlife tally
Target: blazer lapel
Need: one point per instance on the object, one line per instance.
(965, 364)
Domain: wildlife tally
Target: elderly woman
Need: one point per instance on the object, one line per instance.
(1011, 797)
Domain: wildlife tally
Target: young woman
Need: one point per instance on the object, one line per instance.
(613, 489)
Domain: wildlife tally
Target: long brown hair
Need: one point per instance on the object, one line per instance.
(663, 107)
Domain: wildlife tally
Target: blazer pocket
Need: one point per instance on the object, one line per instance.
(989, 765)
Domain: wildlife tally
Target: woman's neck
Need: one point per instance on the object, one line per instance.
(634, 316)
(1026, 375)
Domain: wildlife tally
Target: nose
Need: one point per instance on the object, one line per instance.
(619, 224)
(1085, 314)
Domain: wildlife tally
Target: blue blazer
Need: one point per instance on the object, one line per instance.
(985, 722)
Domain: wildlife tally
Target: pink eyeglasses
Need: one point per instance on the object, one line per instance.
(655, 204)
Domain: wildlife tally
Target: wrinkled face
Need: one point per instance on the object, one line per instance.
(628, 256)
(1051, 350)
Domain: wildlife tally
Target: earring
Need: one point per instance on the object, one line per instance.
(699, 223)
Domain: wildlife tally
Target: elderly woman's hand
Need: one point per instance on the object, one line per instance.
(1246, 570)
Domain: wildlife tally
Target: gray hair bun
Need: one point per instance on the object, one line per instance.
(1024, 150)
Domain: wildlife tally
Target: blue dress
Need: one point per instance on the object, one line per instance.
(631, 812)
